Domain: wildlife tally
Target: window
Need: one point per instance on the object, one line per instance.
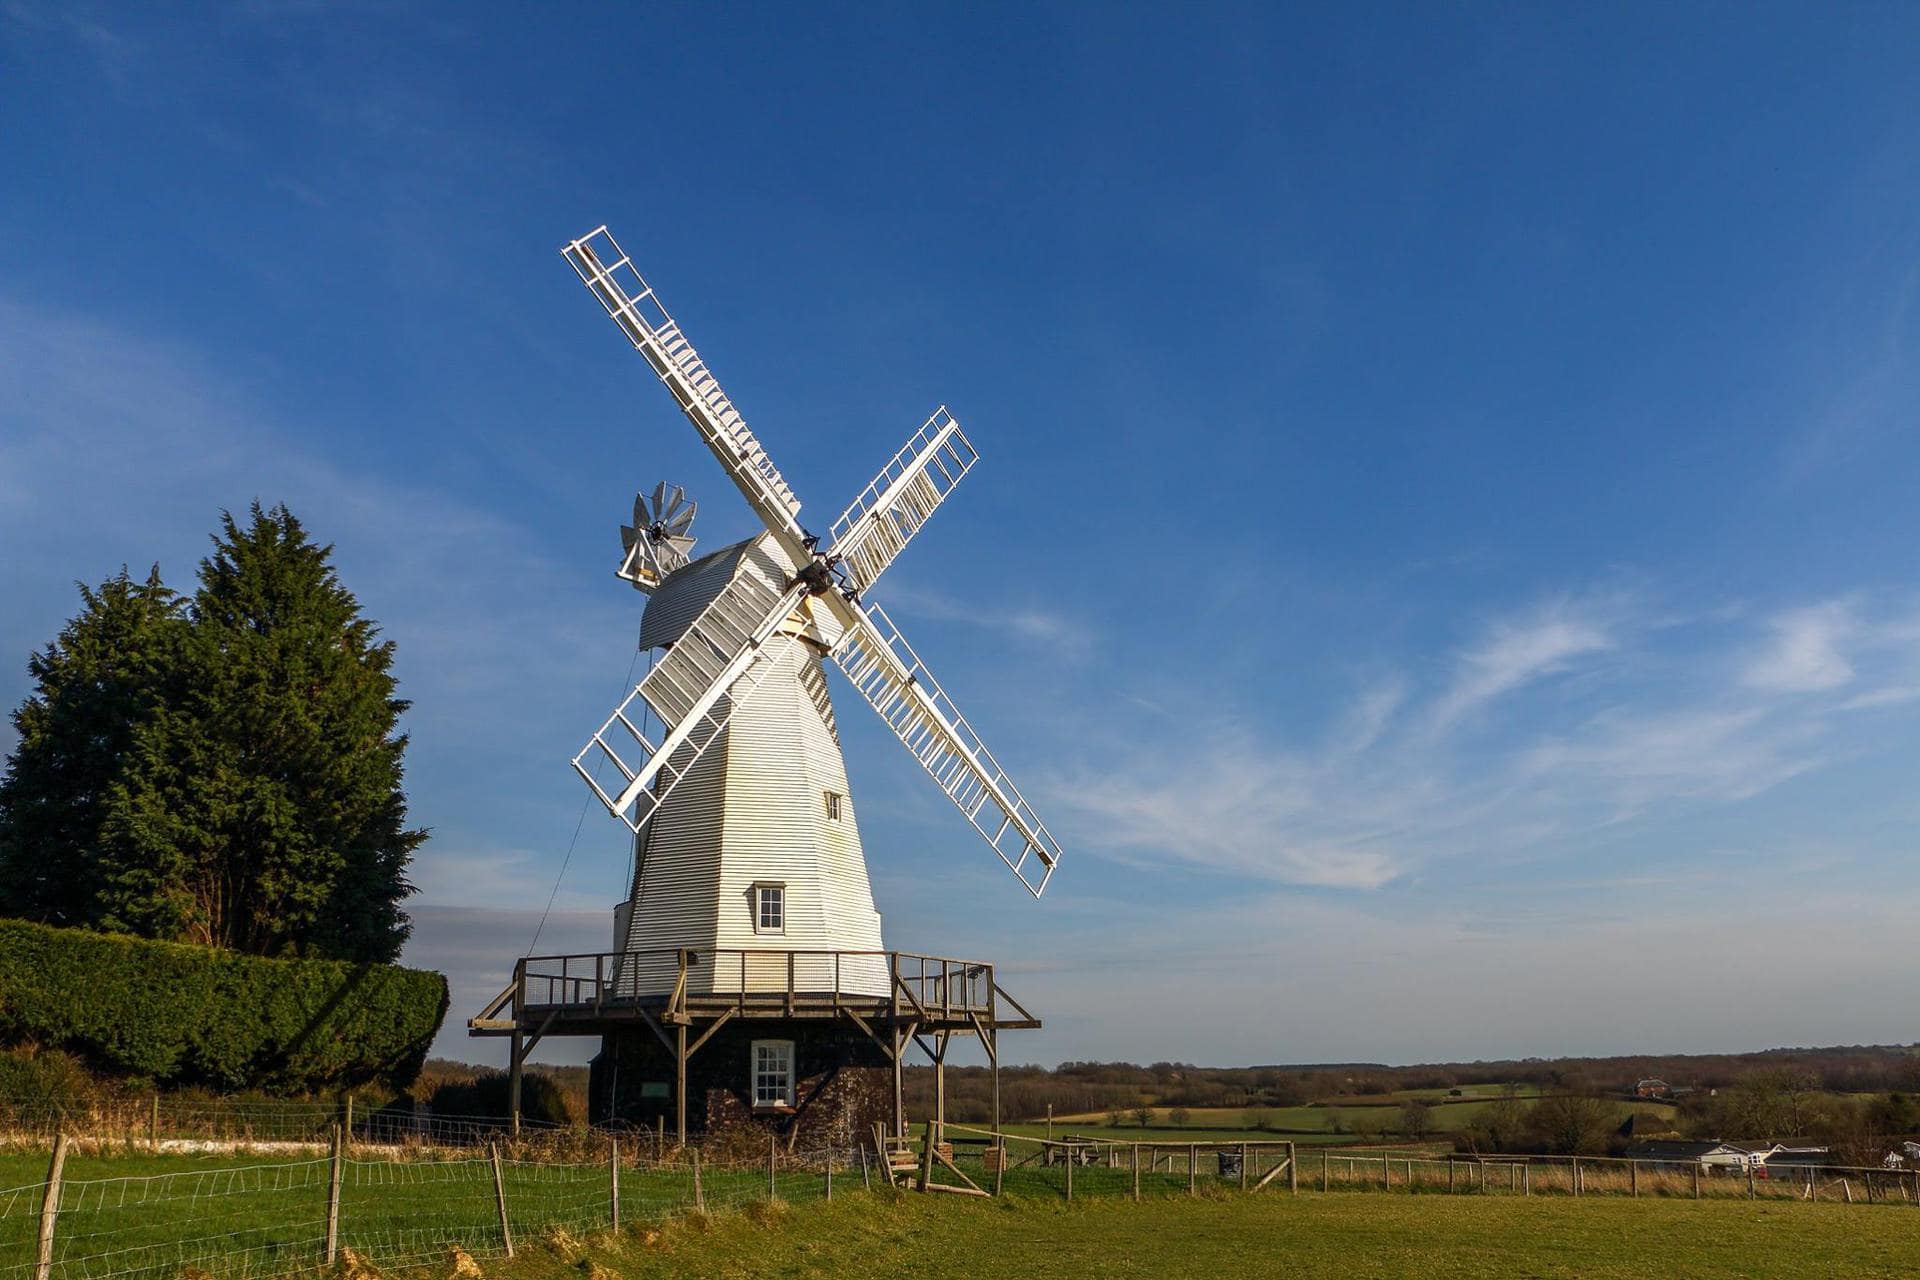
(833, 806)
(773, 1073)
(769, 908)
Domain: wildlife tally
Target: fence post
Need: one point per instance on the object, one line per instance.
(1000, 1163)
(1069, 1154)
(1293, 1170)
(500, 1197)
(772, 1148)
(153, 1124)
(1696, 1179)
(1193, 1168)
(1326, 1172)
(50, 1207)
(347, 1124)
(1386, 1174)
(1633, 1176)
(1136, 1171)
(1243, 1166)
(829, 1172)
(333, 1197)
(699, 1198)
(613, 1181)
(1576, 1177)
(1526, 1178)
(1749, 1179)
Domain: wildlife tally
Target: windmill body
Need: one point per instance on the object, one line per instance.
(748, 983)
(760, 850)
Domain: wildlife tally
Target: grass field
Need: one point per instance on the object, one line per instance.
(155, 1217)
(1320, 1122)
(1312, 1236)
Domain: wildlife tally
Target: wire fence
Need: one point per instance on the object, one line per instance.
(389, 1209)
(110, 1208)
(1074, 1166)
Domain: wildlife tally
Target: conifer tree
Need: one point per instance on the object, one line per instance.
(101, 681)
(256, 802)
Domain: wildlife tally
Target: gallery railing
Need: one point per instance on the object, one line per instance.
(763, 980)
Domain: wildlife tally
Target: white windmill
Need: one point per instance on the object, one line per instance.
(750, 892)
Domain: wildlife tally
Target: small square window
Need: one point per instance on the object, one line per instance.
(834, 799)
(769, 908)
(773, 1073)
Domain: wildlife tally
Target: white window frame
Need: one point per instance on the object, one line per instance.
(756, 902)
(836, 806)
(773, 1083)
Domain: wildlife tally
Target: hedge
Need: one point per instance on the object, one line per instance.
(185, 1015)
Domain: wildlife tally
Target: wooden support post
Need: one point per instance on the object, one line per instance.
(50, 1207)
(1243, 1166)
(1526, 1178)
(1136, 1171)
(1069, 1153)
(346, 1123)
(613, 1182)
(866, 1173)
(1193, 1169)
(333, 1197)
(773, 1155)
(1576, 1176)
(1696, 1179)
(926, 1160)
(1293, 1170)
(515, 1054)
(1049, 1122)
(1449, 1175)
(940, 1086)
(1749, 1179)
(680, 1087)
(829, 1173)
(1326, 1173)
(699, 1197)
(153, 1124)
(1386, 1174)
(1633, 1177)
(660, 1136)
(1000, 1164)
(500, 1197)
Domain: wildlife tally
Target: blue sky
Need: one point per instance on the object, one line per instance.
(1444, 554)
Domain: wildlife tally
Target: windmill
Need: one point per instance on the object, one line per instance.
(750, 921)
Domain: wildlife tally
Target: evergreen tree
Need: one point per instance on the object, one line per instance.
(96, 687)
(254, 802)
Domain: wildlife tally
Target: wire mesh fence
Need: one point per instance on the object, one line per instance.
(393, 1209)
(105, 1212)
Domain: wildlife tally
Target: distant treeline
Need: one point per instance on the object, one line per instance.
(1079, 1087)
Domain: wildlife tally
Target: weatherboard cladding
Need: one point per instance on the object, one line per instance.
(753, 810)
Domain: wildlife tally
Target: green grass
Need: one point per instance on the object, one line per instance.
(937, 1238)
(1333, 1121)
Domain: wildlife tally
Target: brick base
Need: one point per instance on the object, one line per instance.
(844, 1084)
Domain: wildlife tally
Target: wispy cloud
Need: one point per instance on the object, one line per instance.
(1494, 762)
(1518, 651)
(1807, 653)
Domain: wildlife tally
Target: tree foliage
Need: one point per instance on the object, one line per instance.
(224, 770)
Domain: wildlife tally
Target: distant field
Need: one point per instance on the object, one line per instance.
(1334, 1121)
(947, 1238)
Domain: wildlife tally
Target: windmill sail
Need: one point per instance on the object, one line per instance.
(684, 690)
(880, 522)
(610, 275)
(896, 683)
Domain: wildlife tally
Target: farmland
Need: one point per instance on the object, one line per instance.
(1332, 1236)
